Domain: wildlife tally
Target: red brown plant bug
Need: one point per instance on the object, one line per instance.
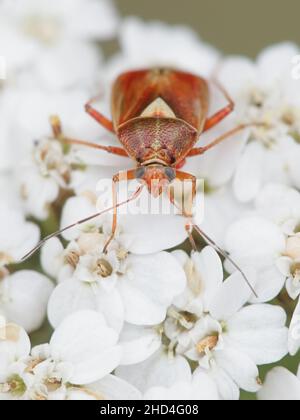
(158, 116)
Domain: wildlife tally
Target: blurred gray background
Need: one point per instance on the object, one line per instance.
(234, 26)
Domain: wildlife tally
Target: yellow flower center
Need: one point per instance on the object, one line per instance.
(104, 269)
(208, 343)
(43, 28)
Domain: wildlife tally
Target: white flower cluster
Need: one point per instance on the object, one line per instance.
(147, 319)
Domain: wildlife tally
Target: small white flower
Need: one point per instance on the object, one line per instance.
(82, 350)
(269, 241)
(17, 235)
(33, 121)
(208, 324)
(59, 68)
(39, 31)
(274, 225)
(49, 173)
(289, 265)
(52, 173)
(24, 297)
(121, 285)
(257, 242)
(78, 208)
(265, 92)
(281, 204)
(280, 385)
(139, 43)
(14, 345)
(222, 338)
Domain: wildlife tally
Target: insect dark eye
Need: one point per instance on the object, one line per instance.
(170, 174)
(140, 172)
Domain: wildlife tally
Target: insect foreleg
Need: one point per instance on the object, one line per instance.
(122, 176)
(185, 177)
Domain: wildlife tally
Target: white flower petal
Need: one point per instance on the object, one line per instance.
(278, 203)
(294, 332)
(84, 340)
(158, 370)
(153, 233)
(209, 268)
(228, 389)
(248, 175)
(259, 331)
(149, 286)
(236, 73)
(240, 367)
(75, 209)
(280, 385)
(51, 257)
(138, 343)
(201, 388)
(138, 42)
(269, 283)
(28, 293)
(292, 288)
(231, 296)
(115, 388)
(72, 296)
(274, 62)
(14, 345)
(17, 236)
(255, 240)
(39, 193)
(58, 68)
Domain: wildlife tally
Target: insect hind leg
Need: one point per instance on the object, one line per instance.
(58, 134)
(222, 113)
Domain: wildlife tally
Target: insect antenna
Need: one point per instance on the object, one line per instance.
(80, 222)
(225, 254)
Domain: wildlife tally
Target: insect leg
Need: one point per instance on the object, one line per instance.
(100, 118)
(224, 112)
(184, 177)
(191, 181)
(58, 134)
(225, 254)
(200, 150)
(181, 164)
(122, 176)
